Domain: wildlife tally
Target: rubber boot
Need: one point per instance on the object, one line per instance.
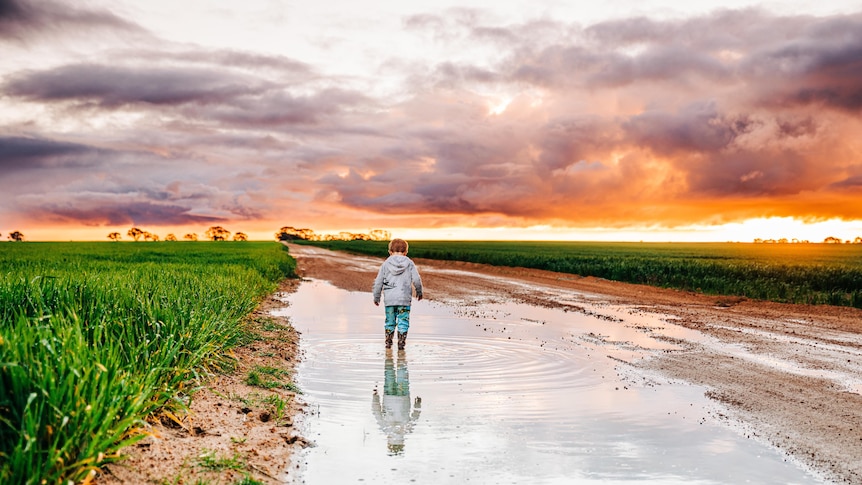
(402, 340)
(389, 335)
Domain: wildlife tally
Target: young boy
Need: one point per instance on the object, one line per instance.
(396, 279)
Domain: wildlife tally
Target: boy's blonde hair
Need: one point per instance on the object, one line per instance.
(398, 246)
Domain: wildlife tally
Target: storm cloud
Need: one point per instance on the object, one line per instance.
(17, 153)
(111, 86)
(22, 20)
(63, 182)
(93, 213)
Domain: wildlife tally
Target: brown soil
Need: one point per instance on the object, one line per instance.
(231, 429)
(811, 418)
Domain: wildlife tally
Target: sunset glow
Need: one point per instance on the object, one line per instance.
(626, 121)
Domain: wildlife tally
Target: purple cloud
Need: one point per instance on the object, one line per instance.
(90, 213)
(21, 20)
(111, 86)
(20, 154)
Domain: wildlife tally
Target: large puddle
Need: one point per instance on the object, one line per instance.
(506, 393)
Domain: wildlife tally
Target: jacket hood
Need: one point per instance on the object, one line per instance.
(397, 264)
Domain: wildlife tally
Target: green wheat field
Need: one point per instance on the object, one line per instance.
(96, 337)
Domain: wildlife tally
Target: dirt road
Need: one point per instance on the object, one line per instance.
(790, 375)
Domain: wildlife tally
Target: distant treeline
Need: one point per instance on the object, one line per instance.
(213, 233)
(794, 273)
(288, 233)
(828, 240)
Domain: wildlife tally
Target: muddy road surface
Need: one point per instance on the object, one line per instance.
(788, 377)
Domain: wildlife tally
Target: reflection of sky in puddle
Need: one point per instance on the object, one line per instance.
(508, 394)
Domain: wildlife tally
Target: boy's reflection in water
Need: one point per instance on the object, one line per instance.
(393, 414)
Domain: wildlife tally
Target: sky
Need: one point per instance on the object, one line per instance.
(653, 120)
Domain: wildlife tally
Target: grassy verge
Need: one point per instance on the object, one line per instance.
(96, 337)
(797, 273)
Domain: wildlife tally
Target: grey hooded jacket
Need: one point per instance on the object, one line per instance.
(396, 279)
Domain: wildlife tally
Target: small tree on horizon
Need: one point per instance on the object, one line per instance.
(170, 237)
(115, 236)
(16, 236)
(135, 233)
(240, 236)
(191, 237)
(217, 233)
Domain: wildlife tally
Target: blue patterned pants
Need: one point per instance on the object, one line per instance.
(397, 316)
